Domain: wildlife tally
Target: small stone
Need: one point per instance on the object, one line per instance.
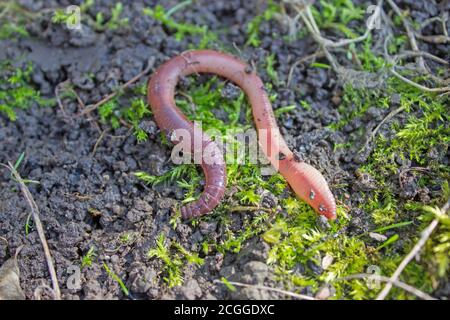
(92, 290)
(143, 206)
(336, 100)
(228, 271)
(316, 269)
(231, 91)
(115, 259)
(257, 269)
(191, 290)
(117, 210)
(327, 261)
(395, 99)
(9, 281)
(135, 216)
(207, 227)
(165, 203)
(377, 237)
(83, 37)
(323, 222)
(142, 281)
(184, 230)
(424, 195)
(218, 261)
(324, 293)
(149, 127)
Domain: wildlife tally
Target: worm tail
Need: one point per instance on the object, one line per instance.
(214, 190)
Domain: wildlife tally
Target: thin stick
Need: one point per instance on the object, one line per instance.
(392, 114)
(122, 87)
(444, 23)
(58, 88)
(420, 53)
(425, 235)
(312, 56)
(409, 32)
(397, 283)
(58, 98)
(39, 291)
(321, 41)
(4, 239)
(393, 61)
(98, 142)
(436, 39)
(417, 85)
(249, 208)
(287, 293)
(177, 7)
(79, 100)
(312, 25)
(5, 10)
(403, 172)
(38, 224)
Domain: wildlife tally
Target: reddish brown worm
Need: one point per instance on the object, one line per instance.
(306, 181)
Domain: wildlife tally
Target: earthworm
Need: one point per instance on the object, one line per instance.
(307, 182)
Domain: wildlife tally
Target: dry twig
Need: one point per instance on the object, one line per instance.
(100, 138)
(417, 85)
(108, 97)
(391, 114)
(426, 233)
(58, 88)
(312, 57)
(287, 293)
(402, 174)
(409, 32)
(4, 239)
(40, 230)
(397, 283)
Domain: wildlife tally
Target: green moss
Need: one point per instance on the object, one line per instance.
(116, 21)
(12, 21)
(181, 29)
(117, 279)
(132, 113)
(255, 24)
(60, 16)
(416, 137)
(438, 248)
(271, 72)
(18, 92)
(297, 241)
(294, 237)
(12, 30)
(336, 14)
(87, 259)
(356, 102)
(185, 175)
(173, 262)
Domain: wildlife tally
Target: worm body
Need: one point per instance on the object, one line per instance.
(306, 181)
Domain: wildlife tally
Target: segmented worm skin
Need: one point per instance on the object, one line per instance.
(306, 181)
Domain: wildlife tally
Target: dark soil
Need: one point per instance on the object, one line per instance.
(89, 198)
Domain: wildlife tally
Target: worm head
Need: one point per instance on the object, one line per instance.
(310, 185)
